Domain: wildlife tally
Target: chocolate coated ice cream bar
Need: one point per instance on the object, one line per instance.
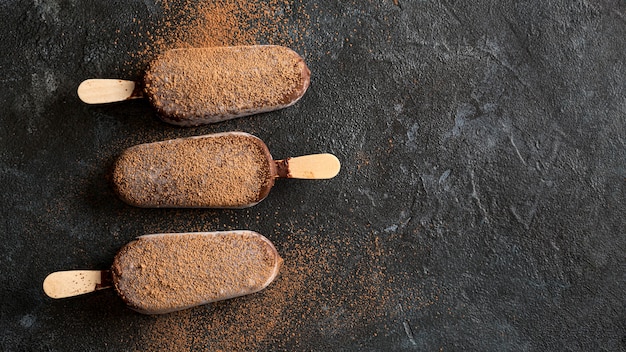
(162, 273)
(224, 170)
(197, 86)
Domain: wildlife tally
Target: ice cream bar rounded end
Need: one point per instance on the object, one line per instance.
(222, 170)
(195, 86)
(162, 273)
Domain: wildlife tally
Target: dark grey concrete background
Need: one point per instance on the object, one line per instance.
(482, 192)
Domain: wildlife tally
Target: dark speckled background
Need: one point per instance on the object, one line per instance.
(481, 204)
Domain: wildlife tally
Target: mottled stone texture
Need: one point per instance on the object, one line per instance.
(481, 204)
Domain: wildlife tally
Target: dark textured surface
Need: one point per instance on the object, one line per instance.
(480, 206)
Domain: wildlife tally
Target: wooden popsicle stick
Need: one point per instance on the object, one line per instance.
(311, 167)
(101, 91)
(62, 284)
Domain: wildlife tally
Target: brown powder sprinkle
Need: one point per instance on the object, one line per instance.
(199, 24)
(224, 170)
(194, 86)
(330, 287)
(169, 272)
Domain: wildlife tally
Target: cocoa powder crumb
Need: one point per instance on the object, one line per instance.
(164, 273)
(199, 24)
(330, 286)
(214, 171)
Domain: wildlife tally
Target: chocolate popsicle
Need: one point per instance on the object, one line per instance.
(190, 87)
(223, 170)
(162, 273)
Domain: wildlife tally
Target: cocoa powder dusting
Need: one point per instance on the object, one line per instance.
(209, 83)
(215, 171)
(200, 24)
(329, 286)
(164, 273)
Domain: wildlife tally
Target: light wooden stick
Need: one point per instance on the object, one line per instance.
(311, 167)
(62, 284)
(101, 91)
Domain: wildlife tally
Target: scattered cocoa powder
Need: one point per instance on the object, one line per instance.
(200, 24)
(334, 286)
(194, 86)
(225, 170)
(169, 272)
